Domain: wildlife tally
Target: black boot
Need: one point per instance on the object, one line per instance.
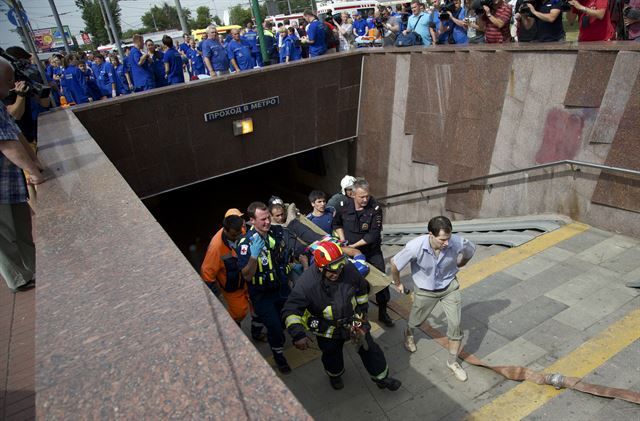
(336, 382)
(389, 383)
(383, 317)
(281, 362)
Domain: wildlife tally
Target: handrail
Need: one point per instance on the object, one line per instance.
(503, 173)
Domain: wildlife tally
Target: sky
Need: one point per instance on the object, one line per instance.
(40, 15)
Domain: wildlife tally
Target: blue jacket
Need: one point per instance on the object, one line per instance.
(315, 33)
(217, 54)
(292, 48)
(75, 85)
(241, 52)
(142, 74)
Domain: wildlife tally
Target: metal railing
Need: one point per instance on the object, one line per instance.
(574, 167)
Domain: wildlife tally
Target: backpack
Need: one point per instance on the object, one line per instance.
(330, 38)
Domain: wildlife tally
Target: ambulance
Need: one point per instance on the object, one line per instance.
(335, 8)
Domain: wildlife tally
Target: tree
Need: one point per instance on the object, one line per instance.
(203, 18)
(93, 20)
(216, 19)
(163, 18)
(297, 6)
(241, 16)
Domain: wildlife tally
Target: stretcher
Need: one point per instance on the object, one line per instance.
(377, 280)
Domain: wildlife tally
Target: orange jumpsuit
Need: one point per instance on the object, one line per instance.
(219, 262)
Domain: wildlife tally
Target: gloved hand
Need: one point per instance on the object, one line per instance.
(257, 244)
(303, 343)
(113, 94)
(360, 263)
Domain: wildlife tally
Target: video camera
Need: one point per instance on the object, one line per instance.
(447, 7)
(24, 72)
(477, 6)
(524, 9)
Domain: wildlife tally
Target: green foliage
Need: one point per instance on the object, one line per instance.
(203, 18)
(297, 6)
(239, 15)
(93, 20)
(217, 20)
(163, 17)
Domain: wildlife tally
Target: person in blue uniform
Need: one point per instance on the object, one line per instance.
(252, 38)
(315, 35)
(126, 63)
(214, 53)
(105, 76)
(157, 63)
(359, 25)
(75, 84)
(95, 93)
(291, 46)
(172, 62)
(141, 66)
(119, 75)
(196, 63)
(264, 261)
(239, 52)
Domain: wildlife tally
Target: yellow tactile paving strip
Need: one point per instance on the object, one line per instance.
(527, 397)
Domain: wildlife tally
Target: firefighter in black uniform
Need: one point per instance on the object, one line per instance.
(360, 224)
(263, 259)
(330, 300)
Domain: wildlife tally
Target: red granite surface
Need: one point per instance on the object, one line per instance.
(17, 360)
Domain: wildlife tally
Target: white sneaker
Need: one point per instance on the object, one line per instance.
(409, 343)
(458, 371)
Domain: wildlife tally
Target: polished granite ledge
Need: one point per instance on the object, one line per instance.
(125, 329)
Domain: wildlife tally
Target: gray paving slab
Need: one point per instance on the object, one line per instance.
(480, 380)
(479, 339)
(526, 317)
(591, 309)
(607, 249)
(433, 403)
(585, 285)
(491, 308)
(584, 240)
(556, 338)
(557, 254)
(621, 371)
(423, 374)
(357, 408)
(517, 352)
(632, 305)
(530, 267)
(617, 409)
(624, 262)
(543, 282)
(570, 405)
(488, 288)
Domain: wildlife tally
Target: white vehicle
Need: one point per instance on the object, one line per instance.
(281, 18)
(350, 7)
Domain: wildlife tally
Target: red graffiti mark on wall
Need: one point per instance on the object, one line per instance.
(562, 136)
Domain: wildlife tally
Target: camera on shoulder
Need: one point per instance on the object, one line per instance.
(447, 7)
(524, 9)
(478, 6)
(23, 71)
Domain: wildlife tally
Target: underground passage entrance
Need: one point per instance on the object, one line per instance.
(191, 215)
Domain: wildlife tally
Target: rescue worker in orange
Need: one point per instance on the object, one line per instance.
(220, 267)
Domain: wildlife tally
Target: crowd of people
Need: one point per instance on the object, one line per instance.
(92, 76)
(311, 281)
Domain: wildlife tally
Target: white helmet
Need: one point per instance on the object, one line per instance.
(347, 182)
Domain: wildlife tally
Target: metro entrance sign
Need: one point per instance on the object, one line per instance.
(242, 108)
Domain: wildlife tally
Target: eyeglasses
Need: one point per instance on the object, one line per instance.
(336, 266)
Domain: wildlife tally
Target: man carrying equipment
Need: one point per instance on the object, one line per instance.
(330, 300)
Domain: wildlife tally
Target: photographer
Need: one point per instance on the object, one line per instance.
(631, 15)
(595, 20)
(24, 102)
(345, 31)
(526, 26)
(549, 20)
(495, 21)
(388, 26)
(452, 23)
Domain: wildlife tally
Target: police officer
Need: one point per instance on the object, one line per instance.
(360, 224)
(263, 259)
(330, 299)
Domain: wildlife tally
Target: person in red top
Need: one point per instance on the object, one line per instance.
(594, 19)
(220, 267)
(495, 22)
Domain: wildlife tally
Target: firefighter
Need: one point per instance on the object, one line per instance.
(263, 260)
(360, 224)
(330, 300)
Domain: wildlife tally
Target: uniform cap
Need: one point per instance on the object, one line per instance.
(347, 182)
(233, 211)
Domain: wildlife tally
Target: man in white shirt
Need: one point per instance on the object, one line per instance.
(435, 259)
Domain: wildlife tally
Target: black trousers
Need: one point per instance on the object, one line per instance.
(332, 357)
(382, 296)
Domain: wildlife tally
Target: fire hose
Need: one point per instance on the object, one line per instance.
(518, 373)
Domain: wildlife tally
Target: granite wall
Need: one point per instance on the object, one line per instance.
(474, 111)
(159, 140)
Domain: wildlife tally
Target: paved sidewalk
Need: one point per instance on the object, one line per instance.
(536, 312)
(17, 354)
